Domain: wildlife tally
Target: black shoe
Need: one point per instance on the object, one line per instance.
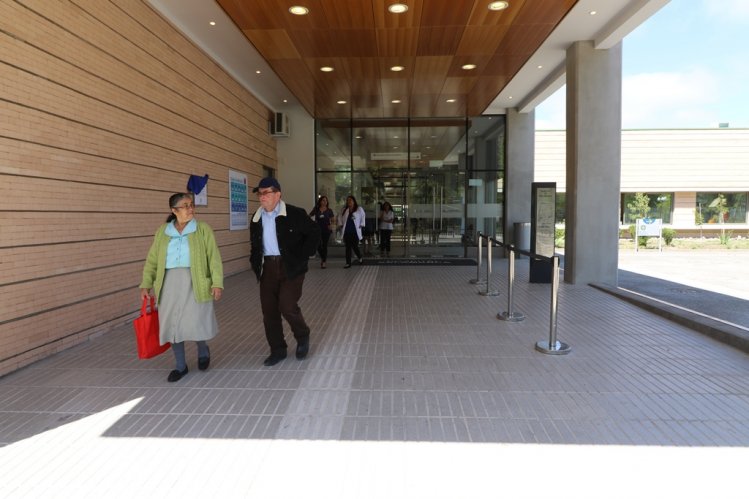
(203, 363)
(274, 359)
(347, 266)
(302, 348)
(176, 375)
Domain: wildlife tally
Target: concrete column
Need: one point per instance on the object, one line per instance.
(521, 132)
(594, 111)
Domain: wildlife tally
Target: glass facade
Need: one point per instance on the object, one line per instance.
(660, 205)
(721, 207)
(443, 176)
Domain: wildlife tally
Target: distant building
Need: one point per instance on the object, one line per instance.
(690, 176)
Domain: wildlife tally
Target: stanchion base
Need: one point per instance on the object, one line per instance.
(477, 281)
(489, 293)
(511, 317)
(559, 348)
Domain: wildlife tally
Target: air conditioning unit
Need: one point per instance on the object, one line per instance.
(278, 126)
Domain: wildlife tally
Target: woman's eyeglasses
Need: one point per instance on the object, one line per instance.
(190, 206)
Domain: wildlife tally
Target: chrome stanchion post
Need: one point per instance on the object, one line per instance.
(488, 292)
(478, 265)
(553, 346)
(509, 315)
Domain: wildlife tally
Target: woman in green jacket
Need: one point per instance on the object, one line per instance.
(184, 269)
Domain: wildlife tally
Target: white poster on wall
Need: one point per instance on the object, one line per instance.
(237, 200)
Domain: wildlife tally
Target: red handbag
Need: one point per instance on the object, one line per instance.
(147, 331)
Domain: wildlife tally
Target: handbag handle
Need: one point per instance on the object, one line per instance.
(145, 302)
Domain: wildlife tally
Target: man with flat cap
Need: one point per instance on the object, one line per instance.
(283, 237)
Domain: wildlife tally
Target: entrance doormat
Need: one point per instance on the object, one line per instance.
(422, 260)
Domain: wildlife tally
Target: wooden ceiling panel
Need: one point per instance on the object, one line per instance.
(385, 19)
(350, 14)
(503, 65)
(388, 62)
(369, 100)
(485, 89)
(335, 43)
(446, 13)
(456, 66)
(395, 89)
(458, 86)
(365, 86)
(482, 16)
(397, 42)
(482, 40)
(361, 68)
(439, 41)
(362, 40)
(523, 40)
(273, 41)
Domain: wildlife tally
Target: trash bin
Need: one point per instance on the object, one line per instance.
(522, 237)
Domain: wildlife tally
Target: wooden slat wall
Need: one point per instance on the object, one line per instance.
(105, 110)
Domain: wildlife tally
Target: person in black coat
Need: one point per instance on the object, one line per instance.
(282, 238)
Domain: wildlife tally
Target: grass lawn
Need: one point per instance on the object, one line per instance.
(690, 243)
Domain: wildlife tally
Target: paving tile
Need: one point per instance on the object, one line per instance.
(400, 355)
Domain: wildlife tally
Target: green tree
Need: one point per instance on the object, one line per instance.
(720, 206)
(640, 206)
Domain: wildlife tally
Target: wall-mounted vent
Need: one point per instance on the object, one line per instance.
(278, 126)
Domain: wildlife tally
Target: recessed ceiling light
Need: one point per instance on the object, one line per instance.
(397, 68)
(593, 12)
(285, 100)
(510, 97)
(358, 137)
(326, 69)
(341, 102)
(298, 10)
(257, 71)
(540, 66)
(395, 137)
(396, 101)
(468, 66)
(212, 23)
(499, 5)
(450, 100)
(398, 8)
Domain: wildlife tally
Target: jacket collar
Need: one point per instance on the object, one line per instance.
(281, 211)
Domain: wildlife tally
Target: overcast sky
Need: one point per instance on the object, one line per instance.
(685, 67)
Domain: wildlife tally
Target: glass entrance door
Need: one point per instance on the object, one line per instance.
(442, 176)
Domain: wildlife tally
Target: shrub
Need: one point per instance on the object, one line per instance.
(668, 236)
(559, 237)
(725, 237)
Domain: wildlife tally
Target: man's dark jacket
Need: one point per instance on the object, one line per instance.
(298, 237)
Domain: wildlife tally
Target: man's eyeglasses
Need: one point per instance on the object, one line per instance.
(190, 206)
(265, 193)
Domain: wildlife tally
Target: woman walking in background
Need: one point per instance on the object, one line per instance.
(324, 216)
(184, 269)
(352, 221)
(387, 218)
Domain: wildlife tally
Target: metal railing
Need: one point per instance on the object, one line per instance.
(552, 345)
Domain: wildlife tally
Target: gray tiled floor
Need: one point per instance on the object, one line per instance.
(413, 389)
